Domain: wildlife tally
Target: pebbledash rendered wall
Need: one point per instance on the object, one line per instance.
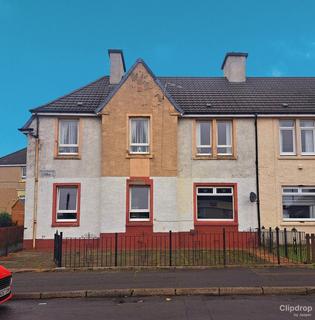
(85, 171)
(240, 171)
(103, 199)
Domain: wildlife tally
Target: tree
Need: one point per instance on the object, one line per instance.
(5, 219)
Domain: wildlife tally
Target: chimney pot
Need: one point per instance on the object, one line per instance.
(117, 65)
(234, 66)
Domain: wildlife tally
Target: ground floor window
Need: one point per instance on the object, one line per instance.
(66, 208)
(140, 203)
(298, 203)
(215, 202)
(139, 200)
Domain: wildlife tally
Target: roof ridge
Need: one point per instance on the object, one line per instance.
(68, 94)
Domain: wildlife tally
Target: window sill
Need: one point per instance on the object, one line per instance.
(139, 156)
(217, 157)
(216, 223)
(65, 157)
(300, 223)
(65, 224)
(139, 223)
(297, 157)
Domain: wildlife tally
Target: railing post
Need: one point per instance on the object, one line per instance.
(170, 248)
(278, 244)
(60, 251)
(116, 248)
(313, 247)
(7, 242)
(308, 248)
(224, 247)
(285, 243)
(270, 240)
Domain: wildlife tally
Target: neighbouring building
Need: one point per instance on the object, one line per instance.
(132, 152)
(12, 184)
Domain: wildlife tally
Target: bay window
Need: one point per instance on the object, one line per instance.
(215, 203)
(298, 203)
(68, 143)
(139, 135)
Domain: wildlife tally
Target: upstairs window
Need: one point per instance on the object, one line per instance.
(287, 137)
(215, 203)
(307, 137)
(23, 173)
(204, 138)
(298, 203)
(139, 208)
(224, 137)
(67, 203)
(139, 136)
(68, 143)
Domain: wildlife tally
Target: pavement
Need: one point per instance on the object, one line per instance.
(175, 308)
(174, 282)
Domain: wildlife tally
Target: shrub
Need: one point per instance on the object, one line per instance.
(5, 219)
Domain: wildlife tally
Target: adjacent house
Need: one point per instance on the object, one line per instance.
(132, 152)
(12, 184)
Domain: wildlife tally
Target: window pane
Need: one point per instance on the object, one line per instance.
(298, 207)
(67, 198)
(222, 150)
(290, 190)
(68, 132)
(139, 197)
(287, 144)
(141, 149)
(204, 150)
(139, 215)
(68, 149)
(139, 130)
(287, 123)
(308, 190)
(215, 207)
(204, 132)
(224, 190)
(307, 123)
(307, 137)
(224, 132)
(205, 190)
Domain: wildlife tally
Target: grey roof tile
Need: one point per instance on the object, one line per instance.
(17, 157)
(263, 95)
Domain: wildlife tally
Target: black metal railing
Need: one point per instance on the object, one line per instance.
(224, 247)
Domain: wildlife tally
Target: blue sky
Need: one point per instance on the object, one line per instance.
(49, 48)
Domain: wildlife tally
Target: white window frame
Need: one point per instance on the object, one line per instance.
(62, 145)
(293, 129)
(23, 173)
(225, 145)
(299, 192)
(198, 133)
(139, 210)
(66, 211)
(307, 128)
(214, 188)
(131, 144)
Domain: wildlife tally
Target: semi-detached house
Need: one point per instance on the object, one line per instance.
(132, 152)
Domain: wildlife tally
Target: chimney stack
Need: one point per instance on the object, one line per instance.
(234, 66)
(117, 65)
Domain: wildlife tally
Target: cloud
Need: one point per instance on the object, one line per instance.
(276, 72)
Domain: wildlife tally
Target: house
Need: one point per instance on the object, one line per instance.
(12, 184)
(132, 152)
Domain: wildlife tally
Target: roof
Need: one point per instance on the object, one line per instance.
(203, 95)
(14, 159)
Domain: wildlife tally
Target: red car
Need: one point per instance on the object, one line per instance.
(5, 285)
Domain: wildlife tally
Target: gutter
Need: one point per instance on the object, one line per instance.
(257, 177)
